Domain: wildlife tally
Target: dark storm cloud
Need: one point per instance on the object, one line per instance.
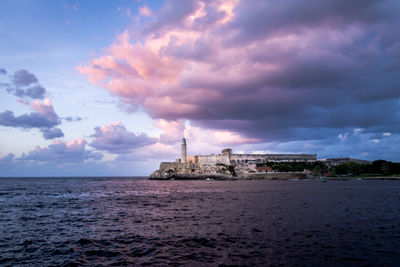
(275, 70)
(261, 18)
(51, 133)
(116, 139)
(324, 83)
(31, 120)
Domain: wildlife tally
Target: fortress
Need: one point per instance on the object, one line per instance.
(226, 165)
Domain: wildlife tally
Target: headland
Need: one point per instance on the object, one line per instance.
(229, 166)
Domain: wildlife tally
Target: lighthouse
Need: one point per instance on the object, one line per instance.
(183, 151)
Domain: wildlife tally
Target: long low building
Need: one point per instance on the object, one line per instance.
(228, 158)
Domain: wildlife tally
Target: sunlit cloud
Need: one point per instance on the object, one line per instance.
(229, 67)
(62, 152)
(145, 11)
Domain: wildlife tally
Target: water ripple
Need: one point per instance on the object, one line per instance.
(114, 222)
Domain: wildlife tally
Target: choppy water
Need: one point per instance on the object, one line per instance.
(122, 221)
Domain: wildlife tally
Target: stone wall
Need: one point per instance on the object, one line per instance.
(272, 157)
(214, 159)
(193, 159)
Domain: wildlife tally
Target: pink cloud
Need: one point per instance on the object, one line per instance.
(145, 11)
(116, 139)
(244, 72)
(45, 109)
(64, 152)
(201, 140)
(155, 151)
(172, 130)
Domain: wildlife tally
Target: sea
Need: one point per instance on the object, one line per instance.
(134, 221)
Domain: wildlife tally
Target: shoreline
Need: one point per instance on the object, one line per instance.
(180, 178)
(364, 178)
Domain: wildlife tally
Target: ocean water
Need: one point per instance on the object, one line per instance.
(130, 221)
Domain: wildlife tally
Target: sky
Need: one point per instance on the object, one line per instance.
(109, 88)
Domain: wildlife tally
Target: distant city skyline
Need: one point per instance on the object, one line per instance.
(109, 88)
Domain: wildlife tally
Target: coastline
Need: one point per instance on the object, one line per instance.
(226, 178)
(364, 178)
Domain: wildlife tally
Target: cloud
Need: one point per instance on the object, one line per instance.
(23, 78)
(264, 19)
(24, 84)
(269, 71)
(46, 166)
(46, 109)
(8, 158)
(51, 133)
(172, 15)
(36, 92)
(145, 11)
(350, 143)
(3, 71)
(31, 120)
(172, 130)
(157, 151)
(115, 139)
(45, 118)
(71, 119)
(62, 152)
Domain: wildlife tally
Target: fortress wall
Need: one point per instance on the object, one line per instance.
(193, 159)
(214, 159)
(169, 165)
(274, 157)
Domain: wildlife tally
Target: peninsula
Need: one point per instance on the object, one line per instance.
(228, 165)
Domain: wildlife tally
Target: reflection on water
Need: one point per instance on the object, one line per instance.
(120, 221)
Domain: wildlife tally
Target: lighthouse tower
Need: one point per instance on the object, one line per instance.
(183, 151)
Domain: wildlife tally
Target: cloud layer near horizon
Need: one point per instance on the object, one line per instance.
(115, 139)
(62, 152)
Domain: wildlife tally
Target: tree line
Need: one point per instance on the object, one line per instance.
(376, 168)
